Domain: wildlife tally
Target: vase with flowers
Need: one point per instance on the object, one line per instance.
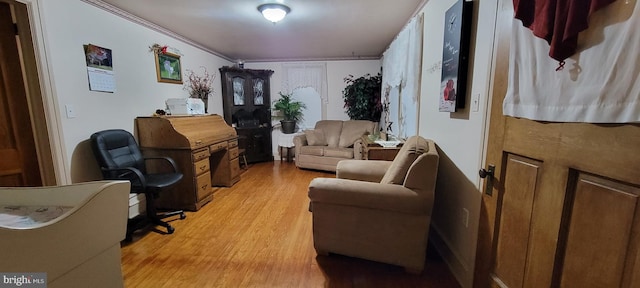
(199, 86)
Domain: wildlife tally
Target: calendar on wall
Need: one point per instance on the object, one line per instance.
(100, 68)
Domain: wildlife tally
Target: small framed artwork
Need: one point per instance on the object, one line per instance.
(168, 68)
(455, 56)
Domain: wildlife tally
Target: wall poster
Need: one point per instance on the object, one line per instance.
(455, 56)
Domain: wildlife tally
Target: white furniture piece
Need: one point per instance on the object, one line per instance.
(72, 233)
(137, 205)
(285, 141)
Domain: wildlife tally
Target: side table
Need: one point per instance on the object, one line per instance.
(286, 141)
(373, 151)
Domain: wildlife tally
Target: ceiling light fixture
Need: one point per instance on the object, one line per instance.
(274, 12)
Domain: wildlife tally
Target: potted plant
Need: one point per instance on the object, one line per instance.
(290, 111)
(362, 97)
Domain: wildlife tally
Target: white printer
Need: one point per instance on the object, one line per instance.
(185, 106)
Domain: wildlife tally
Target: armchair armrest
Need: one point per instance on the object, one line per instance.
(300, 140)
(390, 197)
(166, 159)
(363, 170)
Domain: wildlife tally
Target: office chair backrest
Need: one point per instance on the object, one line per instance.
(116, 148)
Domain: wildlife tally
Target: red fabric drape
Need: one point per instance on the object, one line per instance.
(557, 21)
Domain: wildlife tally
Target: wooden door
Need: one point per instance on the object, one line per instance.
(563, 209)
(18, 156)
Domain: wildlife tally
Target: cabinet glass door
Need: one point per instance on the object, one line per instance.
(238, 91)
(258, 91)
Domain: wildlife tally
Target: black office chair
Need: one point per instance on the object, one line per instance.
(120, 159)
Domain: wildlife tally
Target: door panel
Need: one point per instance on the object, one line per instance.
(515, 227)
(600, 226)
(570, 217)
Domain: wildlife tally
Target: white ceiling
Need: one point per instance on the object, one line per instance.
(314, 30)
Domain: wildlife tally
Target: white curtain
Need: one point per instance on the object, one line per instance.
(302, 75)
(394, 61)
(599, 84)
(312, 113)
(401, 72)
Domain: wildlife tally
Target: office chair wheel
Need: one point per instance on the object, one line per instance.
(170, 230)
(183, 216)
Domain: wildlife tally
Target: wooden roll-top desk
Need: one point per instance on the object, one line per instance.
(204, 148)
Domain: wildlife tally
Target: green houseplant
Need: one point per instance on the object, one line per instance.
(362, 97)
(290, 110)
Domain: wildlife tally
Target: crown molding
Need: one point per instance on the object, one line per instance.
(135, 19)
(313, 59)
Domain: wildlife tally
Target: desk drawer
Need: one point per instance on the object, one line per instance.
(201, 166)
(204, 185)
(235, 167)
(217, 147)
(233, 143)
(233, 153)
(200, 154)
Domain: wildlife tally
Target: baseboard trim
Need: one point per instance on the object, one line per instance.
(459, 269)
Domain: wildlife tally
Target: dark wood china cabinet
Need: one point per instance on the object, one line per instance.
(247, 107)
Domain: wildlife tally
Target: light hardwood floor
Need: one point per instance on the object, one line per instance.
(258, 234)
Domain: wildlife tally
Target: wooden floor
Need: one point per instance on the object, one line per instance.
(258, 234)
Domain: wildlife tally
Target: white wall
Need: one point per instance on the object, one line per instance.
(68, 24)
(336, 72)
(459, 136)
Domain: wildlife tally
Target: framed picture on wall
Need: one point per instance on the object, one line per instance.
(168, 68)
(455, 56)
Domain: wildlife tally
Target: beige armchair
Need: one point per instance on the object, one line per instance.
(378, 210)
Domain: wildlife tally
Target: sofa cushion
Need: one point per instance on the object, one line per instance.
(338, 152)
(312, 150)
(411, 149)
(315, 137)
(331, 130)
(352, 130)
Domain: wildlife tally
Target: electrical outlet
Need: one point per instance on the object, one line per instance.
(465, 217)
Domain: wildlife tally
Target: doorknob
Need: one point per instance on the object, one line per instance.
(484, 173)
(489, 181)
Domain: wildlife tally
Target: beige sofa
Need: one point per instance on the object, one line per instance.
(330, 142)
(378, 210)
